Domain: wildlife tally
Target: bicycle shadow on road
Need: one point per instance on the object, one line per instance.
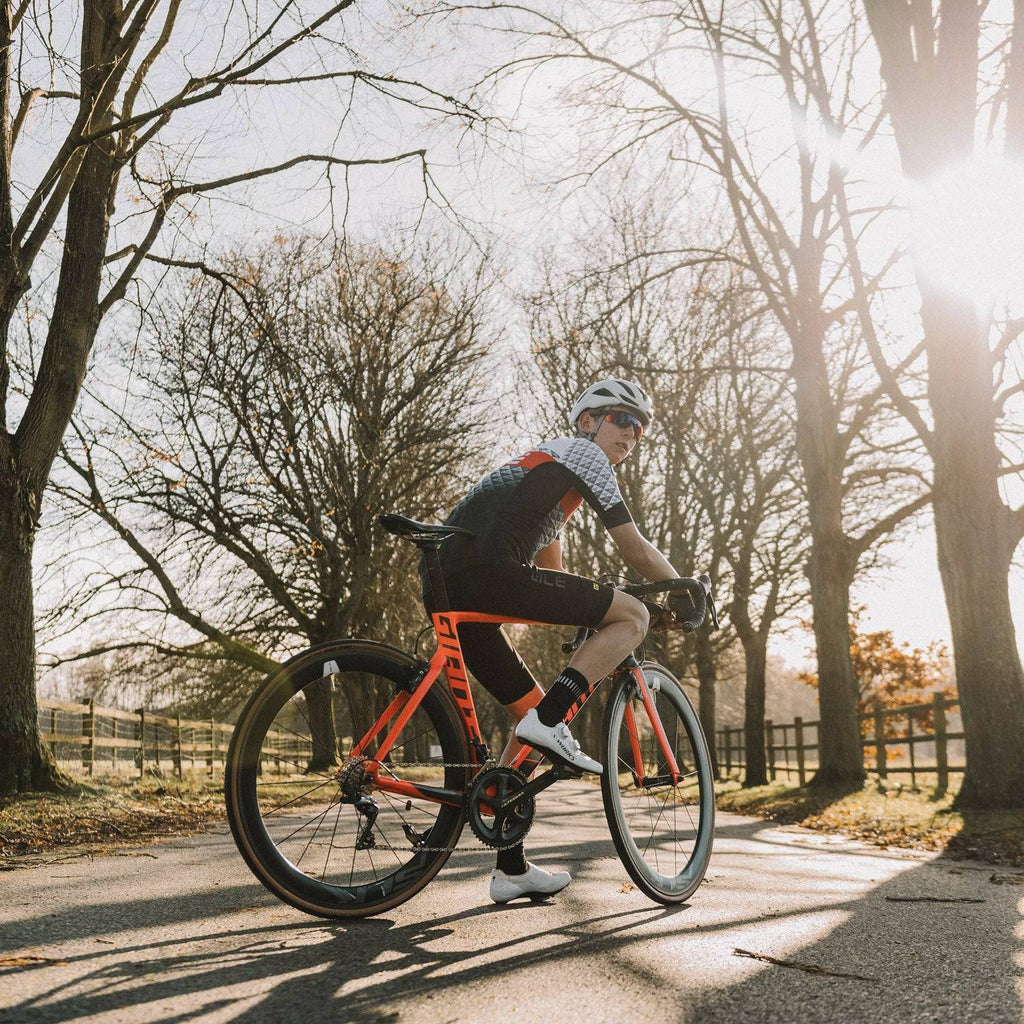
(287, 969)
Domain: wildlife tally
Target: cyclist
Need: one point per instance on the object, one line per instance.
(512, 565)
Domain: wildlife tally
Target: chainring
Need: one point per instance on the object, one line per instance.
(493, 827)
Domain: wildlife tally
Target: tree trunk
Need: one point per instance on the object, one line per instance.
(974, 552)
(707, 677)
(25, 763)
(26, 458)
(932, 94)
(829, 572)
(320, 704)
(755, 656)
(841, 760)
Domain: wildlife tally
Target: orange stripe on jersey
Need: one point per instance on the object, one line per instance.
(571, 501)
(531, 459)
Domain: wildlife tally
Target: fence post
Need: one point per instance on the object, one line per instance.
(911, 745)
(728, 751)
(113, 743)
(769, 731)
(212, 756)
(880, 761)
(89, 732)
(939, 725)
(53, 732)
(798, 730)
(142, 741)
(177, 746)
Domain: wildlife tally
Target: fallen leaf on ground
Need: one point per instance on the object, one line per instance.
(627, 887)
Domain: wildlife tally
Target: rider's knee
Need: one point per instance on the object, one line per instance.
(639, 619)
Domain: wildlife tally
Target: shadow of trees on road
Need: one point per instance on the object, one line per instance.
(931, 961)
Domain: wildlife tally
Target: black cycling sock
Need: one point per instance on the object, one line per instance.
(513, 860)
(564, 692)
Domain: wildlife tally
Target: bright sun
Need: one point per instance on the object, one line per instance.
(968, 230)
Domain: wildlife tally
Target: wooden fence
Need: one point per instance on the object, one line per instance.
(92, 739)
(792, 747)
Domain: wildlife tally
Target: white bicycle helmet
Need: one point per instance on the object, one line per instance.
(614, 391)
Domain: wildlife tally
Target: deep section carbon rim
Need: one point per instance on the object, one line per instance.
(662, 829)
(309, 818)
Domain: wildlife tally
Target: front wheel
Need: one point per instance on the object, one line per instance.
(662, 826)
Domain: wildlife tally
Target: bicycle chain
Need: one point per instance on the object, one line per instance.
(448, 764)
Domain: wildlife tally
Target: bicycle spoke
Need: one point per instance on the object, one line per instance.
(274, 810)
(319, 819)
(330, 847)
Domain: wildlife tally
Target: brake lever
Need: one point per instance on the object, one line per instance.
(705, 581)
(713, 610)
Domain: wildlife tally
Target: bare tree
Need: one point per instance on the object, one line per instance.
(117, 134)
(798, 221)
(278, 405)
(765, 526)
(934, 91)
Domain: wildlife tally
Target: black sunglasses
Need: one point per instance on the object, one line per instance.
(625, 419)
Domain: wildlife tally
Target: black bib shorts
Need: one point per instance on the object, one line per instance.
(521, 592)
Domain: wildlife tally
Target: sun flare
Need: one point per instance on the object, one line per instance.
(968, 230)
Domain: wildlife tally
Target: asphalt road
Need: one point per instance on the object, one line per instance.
(182, 932)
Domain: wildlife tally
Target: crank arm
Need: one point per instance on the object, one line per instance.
(538, 785)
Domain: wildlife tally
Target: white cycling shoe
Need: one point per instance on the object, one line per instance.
(556, 741)
(536, 883)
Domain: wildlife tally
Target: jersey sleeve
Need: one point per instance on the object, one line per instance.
(596, 481)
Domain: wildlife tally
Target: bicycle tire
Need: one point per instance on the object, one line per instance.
(260, 766)
(666, 858)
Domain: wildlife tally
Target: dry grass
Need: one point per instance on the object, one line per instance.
(111, 814)
(104, 815)
(887, 814)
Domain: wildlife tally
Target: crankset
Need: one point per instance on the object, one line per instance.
(499, 812)
(500, 803)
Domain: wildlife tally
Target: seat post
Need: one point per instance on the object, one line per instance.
(438, 590)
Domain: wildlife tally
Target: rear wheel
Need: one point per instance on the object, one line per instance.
(309, 819)
(662, 829)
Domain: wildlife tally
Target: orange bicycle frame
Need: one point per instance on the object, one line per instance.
(448, 658)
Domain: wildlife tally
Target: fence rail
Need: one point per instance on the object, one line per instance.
(99, 739)
(94, 738)
(788, 745)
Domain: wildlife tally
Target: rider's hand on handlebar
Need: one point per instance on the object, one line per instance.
(685, 607)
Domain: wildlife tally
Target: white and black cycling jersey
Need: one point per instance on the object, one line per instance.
(521, 507)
